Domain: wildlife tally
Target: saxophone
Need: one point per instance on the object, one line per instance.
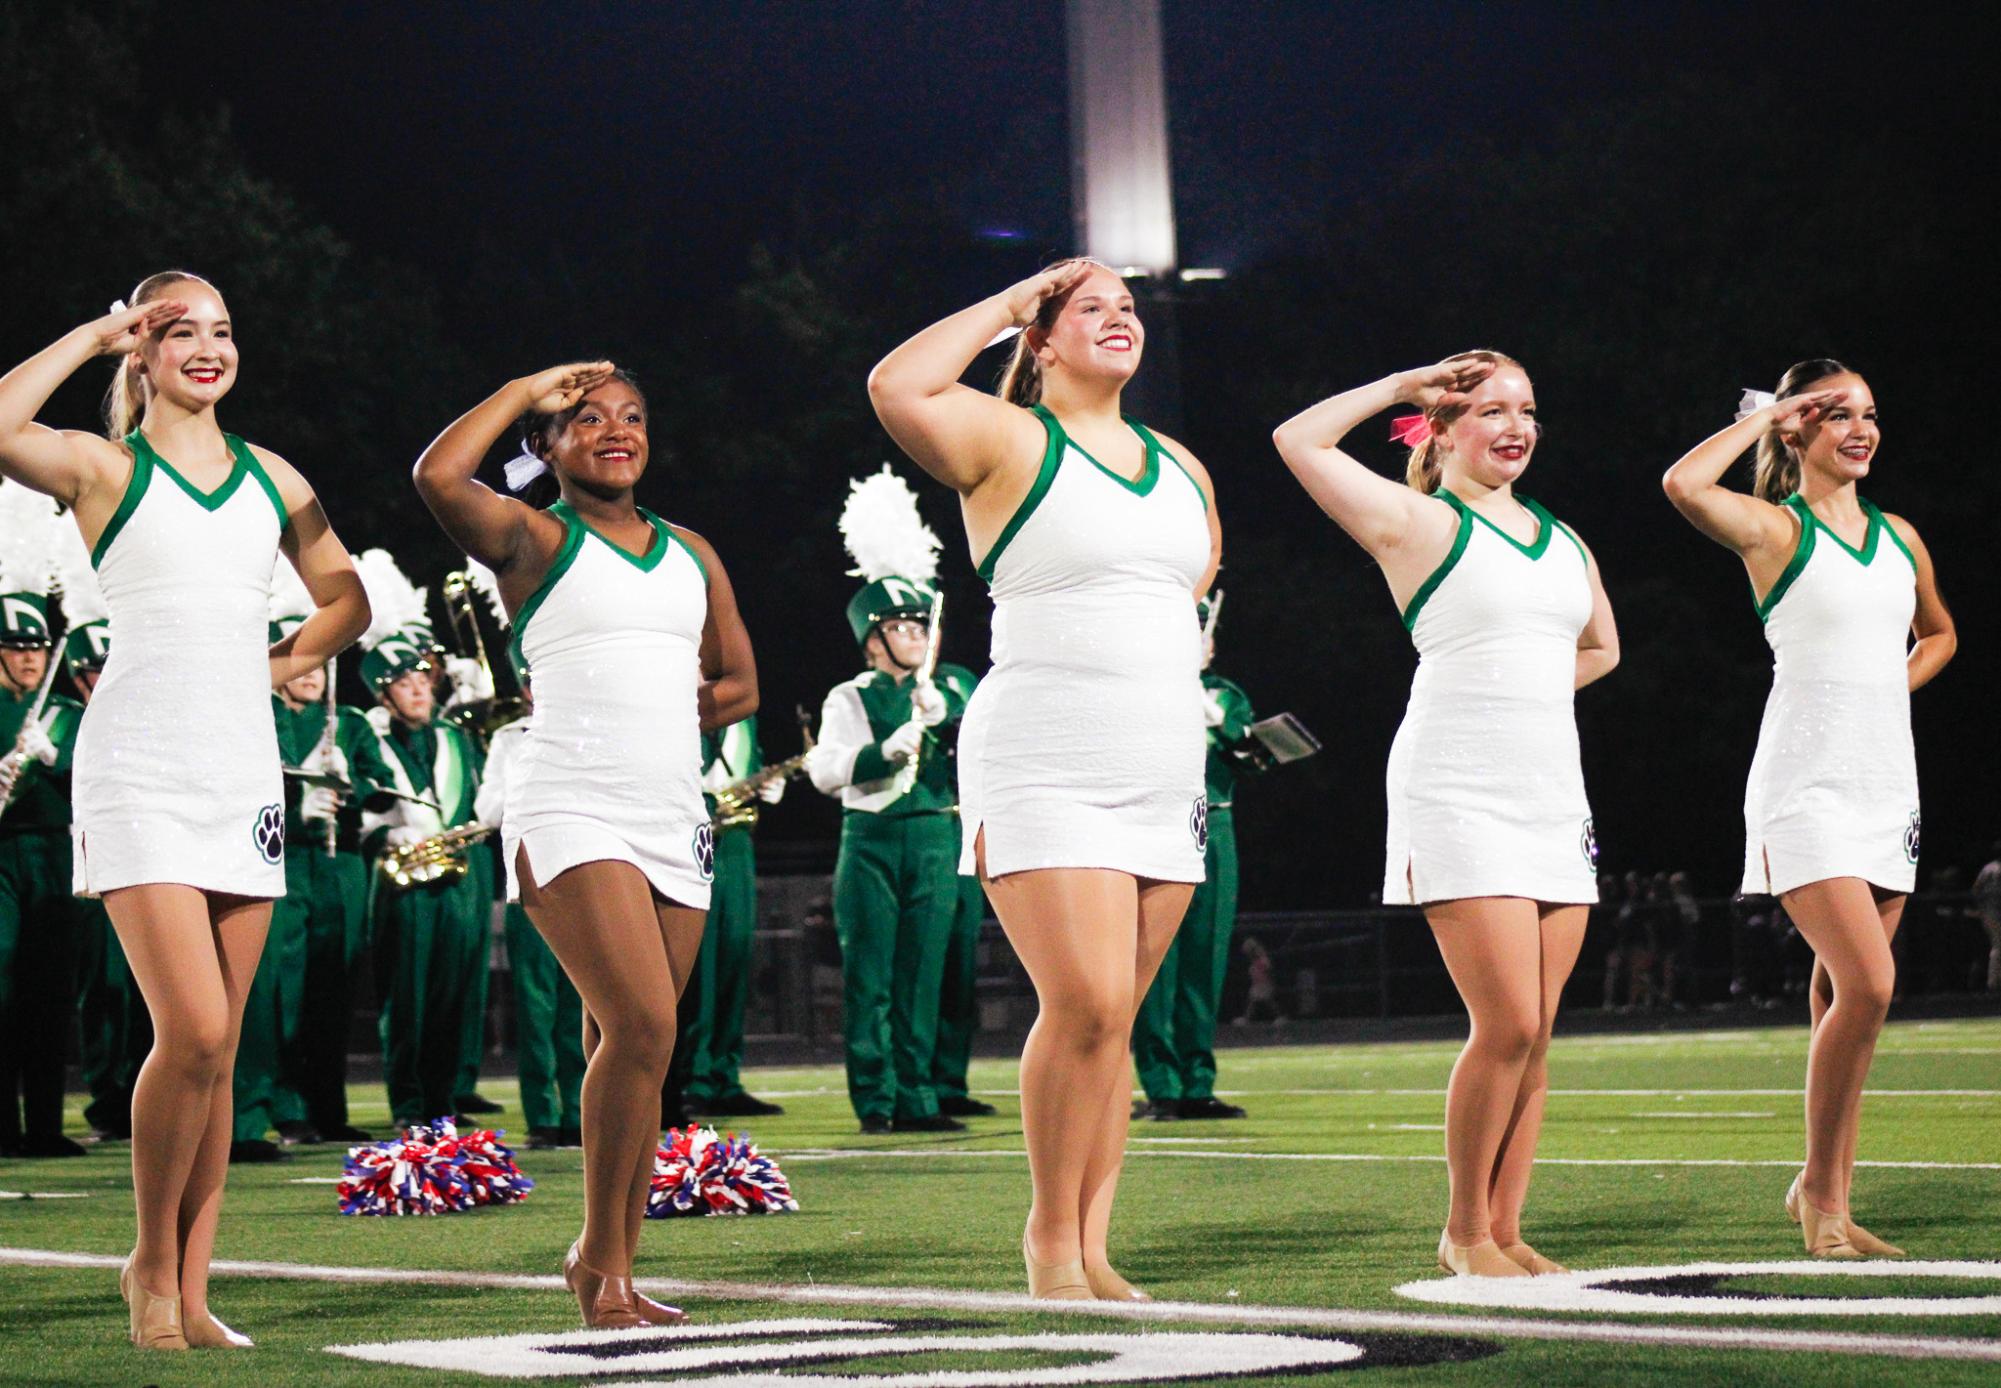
(736, 803)
(435, 858)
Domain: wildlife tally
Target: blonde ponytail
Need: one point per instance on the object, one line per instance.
(125, 401)
(1776, 473)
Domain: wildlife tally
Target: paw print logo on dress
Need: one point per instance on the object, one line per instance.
(1588, 842)
(1911, 838)
(705, 851)
(269, 832)
(1198, 823)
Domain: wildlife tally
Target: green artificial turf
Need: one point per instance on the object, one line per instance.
(1231, 1213)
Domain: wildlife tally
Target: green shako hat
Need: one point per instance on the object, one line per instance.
(28, 540)
(87, 647)
(393, 657)
(398, 639)
(24, 620)
(893, 549)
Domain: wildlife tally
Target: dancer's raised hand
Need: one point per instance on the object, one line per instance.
(125, 330)
(560, 387)
(1025, 300)
(1446, 384)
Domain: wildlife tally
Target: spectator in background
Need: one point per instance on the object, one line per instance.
(1619, 959)
(1987, 909)
(1681, 941)
(1261, 1004)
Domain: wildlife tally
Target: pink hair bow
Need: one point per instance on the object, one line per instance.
(1410, 430)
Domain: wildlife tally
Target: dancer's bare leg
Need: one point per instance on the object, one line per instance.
(681, 932)
(1493, 950)
(1841, 919)
(1562, 929)
(194, 971)
(600, 922)
(1161, 907)
(1076, 931)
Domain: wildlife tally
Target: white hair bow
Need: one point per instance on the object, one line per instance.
(1751, 401)
(524, 468)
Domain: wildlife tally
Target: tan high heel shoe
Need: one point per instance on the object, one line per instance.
(655, 1312)
(1056, 1281)
(1860, 1239)
(605, 1301)
(156, 1320)
(1482, 1259)
(206, 1332)
(1522, 1256)
(1107, 1285)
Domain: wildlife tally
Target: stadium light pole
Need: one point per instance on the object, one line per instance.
(1122, 181)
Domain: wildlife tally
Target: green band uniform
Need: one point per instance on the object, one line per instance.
(709, 1053)
(1174, 1034)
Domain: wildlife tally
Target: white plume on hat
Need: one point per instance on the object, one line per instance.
(83, 600)
(394, 602)
(289, 597)
(28, 539)
(488, 584)
(884, 533)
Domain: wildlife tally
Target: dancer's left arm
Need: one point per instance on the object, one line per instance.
(729, 671)
(1598, 643)
(1937, 638)
(1208, 489)
(340, 607)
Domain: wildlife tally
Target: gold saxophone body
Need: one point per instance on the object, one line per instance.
(441, 856)
(736, 803)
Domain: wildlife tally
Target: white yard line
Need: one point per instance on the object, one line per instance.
(1016, 1153)
(938, 1298)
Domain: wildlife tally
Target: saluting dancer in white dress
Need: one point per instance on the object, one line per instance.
(1081, 754)
(1831, 808)
(1489, 828)
(184, 523)
(632, 631)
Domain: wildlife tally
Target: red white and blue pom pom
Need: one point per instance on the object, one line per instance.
(431, 1169)
(697, 1171)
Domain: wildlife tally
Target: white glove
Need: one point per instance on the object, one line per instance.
(470, 683)
(35, 743)
(319, 802)
(1212, 708)
(318, 764)
(928, 704)
(901, 745)
(406, 836)
(716, 777)
(771, 792)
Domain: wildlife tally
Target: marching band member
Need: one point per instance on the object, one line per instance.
(882, 751)
(958, 998)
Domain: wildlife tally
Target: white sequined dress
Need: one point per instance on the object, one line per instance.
(610, 768)
(177, 775)
(1485, 789)
(1833, 790)
(1084, 746)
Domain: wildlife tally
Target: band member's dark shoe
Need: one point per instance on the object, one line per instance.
(1160, 1110)
(605, 1301)
(967, 1107)
(544, 1139)
(738, 1105)
(873, 1125)
(255, 1150)
(478, 1103)
(1210, 1108)
(51, 1145)
(296, 1135)
(929, 1123)
(570, 1138)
